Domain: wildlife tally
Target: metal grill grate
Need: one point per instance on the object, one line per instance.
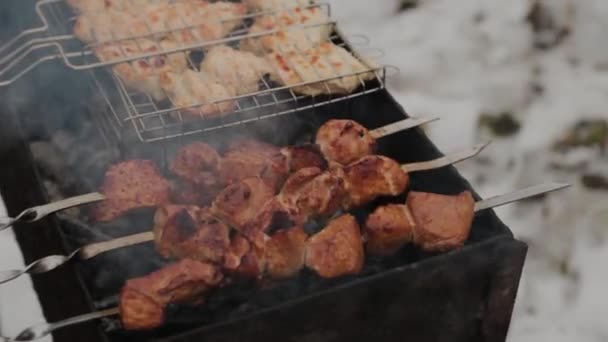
(153, 117)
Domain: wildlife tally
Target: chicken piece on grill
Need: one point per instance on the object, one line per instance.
(131, 185)
(197, 163)
(251, 158)
(371, 177)
(241, 202)
(285, 252)
(303, 156)
(201, 21)
(270, 5)
(326, 69)
(201, 95)
(190, 232)
(443, 222)
(185, 22)
(240, 70)
(337, 250)
(311, 192)
(143, 300)
(388, 229)
(143, 74)
(344, 141)
(97, 6)
(288, 36)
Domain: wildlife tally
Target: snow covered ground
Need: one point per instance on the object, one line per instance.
(464, 59)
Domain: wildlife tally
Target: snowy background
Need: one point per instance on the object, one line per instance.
(533, 77)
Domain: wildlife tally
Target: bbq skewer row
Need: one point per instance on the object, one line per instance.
(251, 207)
(143, 300)
(339, 140)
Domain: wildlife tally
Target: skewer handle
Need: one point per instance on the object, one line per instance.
(449, 159)
(400, 126)
(36, 213)
(92, 250)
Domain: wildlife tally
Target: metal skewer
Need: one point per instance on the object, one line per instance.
(51, 262)
(43, 329)
(36, 213)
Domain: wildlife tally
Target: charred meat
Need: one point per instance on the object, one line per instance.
(443, 222)
(131, 185)
(143, 300)
(337, 250)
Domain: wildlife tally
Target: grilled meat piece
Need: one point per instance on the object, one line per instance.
(371, 177)
(254, 159)
(311, 192)
(186, 193)
(345, 141)
(197, 163)
(326, 69)
(285, 252)
(303, 156)
(190, 232)
(253, 264)
(201, 95)
(239, 247)
(240, 70)
(272, 216)
(131, 185)
(143, 300)
(288, 37)
(388, 228)
(143, 74)
(241, 202)
(337, 250)
(269, 5)
(443, 222)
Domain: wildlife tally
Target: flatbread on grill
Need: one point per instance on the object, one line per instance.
(95, 6)
(269, 5)
(289, 36)
(344, 72)
(143, 74)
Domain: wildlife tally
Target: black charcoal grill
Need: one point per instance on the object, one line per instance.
(56, 143)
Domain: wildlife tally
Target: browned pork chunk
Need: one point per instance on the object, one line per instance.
(303, 156)
(345, 141)
(337, 250)
(197, 163)
(285, 252)
(129, 185)
(241, 202)
(190, 232)
(143, 300)
(371, 177)
(388, 228)
(443, 222)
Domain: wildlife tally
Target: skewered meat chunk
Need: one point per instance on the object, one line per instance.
(303, 156)
(197, 163)
(344, 141)
(285, 252)
(143, 300)
(241, 202)
(288, 37)
(254, 159)
(388, 228)
(443, 222)
(186, 193)
(268, 5)
(337, 250)
(240, 70)
(272, 216)
(131, 185)
(143, 74)
(200, 94)
(310, 193)
(326, 69)
(371, 177)
(187, 231)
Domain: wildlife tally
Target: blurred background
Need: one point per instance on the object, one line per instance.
(532, 76)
